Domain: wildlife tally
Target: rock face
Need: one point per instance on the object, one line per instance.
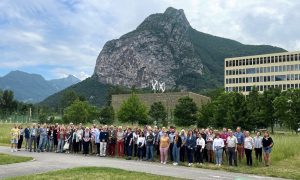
(164, 47)
(154, 51)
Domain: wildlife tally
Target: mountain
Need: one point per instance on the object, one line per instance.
(33, 87)
(166, 48)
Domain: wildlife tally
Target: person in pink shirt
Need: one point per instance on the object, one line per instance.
(224, 135)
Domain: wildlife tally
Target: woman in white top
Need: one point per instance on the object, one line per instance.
(140, 144)
(258, 146)
(218, 145)
(199, 151)
(248, 146)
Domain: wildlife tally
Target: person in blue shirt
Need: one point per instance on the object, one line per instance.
(190, 146)
(240, 139)
(103, 141)
(27, 137)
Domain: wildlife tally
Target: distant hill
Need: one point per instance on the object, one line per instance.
(33, 87)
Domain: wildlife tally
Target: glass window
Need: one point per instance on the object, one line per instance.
(280, 86)
(288, 58)
(296, 76)
(244, 62)
(248, 88)
(265, 60)
(265, 69)
(276, 68)
(261, 88)
(280, 68)
(280, 59)
(257, 60)
(254, 61)
(276, 59)
(296, 67)
(283, 58)
(256, 70)
(265, 78)
(240, 62)
(296, 57)
(268, 69)
(268, 60)
(250, 61)
(288, 86)
(292, 68)
(261, 79)
(233, 63)
(284, 87)
(250, 71)
(272, 69)
(272, 59)
(272, 78)
(288, 67)
(292, 57)
(288, 77)
(292, 77)
(250, 79)
(261, 70)
(296, 86)
(261, 60)
(268, 78)
(280, 78)
(226, 63)
(284, 68)
(247, 61)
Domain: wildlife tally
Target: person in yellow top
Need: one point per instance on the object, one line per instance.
(15, 133)
(164, 147)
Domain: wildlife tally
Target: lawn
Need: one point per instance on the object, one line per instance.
(92, 173)
(9, 159)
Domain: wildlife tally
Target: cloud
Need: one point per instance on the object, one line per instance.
(67, 35)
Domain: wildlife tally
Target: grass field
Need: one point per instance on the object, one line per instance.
(92, 173)
(285, 157)
(9, 159)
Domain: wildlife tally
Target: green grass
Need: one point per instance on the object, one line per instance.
(92, 173)
(9, 159)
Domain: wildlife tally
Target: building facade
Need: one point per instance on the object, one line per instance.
(277, 70)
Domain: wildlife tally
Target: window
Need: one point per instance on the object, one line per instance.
(296, 67)
(261, 79)
(283, 58)
(276, 59)
(257, 60)
(250, 61)
(250, 80)
(233, 63)
(280, 78)
(288, 67)
(276, 68)
(284, 68)
(248, 88)
(272, 59)
(272, 69)
(257, 70)
(292, 68)
(296, 86)
(292, 57)
(280, 86)
(280, 68)
(247, 61)
(288, 77)
(226, 81)
(226, 63)
(244, 62)
(292, 77)
(261, 60)
(265, 78)
(288, 86)
(280, 59)
(296, 76)
(250, 71)
(296, 57)
(240, 62)
(254, 79)
(272, 78)
(268, 69)
(261, 70)
(288, 58)
(268, 61)
(261, 88)
(284, 87)
(254, 61)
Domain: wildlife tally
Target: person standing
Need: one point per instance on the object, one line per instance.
(135, 136)
(224, 136)
(55, 141)
(240, 138)
(43, 138)
(218, 145)
(75, 140)
(176, 148)
(183, 145)
(248, 146)
(21, 137)
(190, 146)
(112, 141)
(141, 144)
(103, 141)
(267, 143)
(120, 141)
(128, 143)
(171, 137)
(200, 149)
(33, 138)
(209, 145)
(50, 139)
(61, 135)
(258, 146)
(231, 148)
(93, 139)
(14, 133)
(164, 147)
(97, 140)
(27, 137)
(86, 141)
(149, 145)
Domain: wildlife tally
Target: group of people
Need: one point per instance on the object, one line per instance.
(199, 146)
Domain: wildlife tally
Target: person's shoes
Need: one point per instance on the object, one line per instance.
(219, 165)
(161, 162)
(189, 164)
(165, 162)
(201, 164)
(12, 150)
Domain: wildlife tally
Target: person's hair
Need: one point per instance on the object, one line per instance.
(217, 134)
(267, 132)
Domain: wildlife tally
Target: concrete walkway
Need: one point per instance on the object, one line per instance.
(45, 162)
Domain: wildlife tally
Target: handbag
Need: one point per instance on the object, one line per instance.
(66, 146)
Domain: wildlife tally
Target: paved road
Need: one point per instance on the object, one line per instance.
(45, 162)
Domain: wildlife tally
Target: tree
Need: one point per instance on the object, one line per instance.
(185, 112)
(254, 112)
(205, 115)
(133, 110)
(158, 113)
(107, 115)
(77, 112)
(68, 98)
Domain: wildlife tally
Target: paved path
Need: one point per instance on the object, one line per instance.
(45, 162)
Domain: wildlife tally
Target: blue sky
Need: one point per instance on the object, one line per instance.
(60, 37)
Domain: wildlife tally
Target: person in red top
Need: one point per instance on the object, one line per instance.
(224, 135)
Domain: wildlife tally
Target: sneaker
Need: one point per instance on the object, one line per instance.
(201, 164)
(219, 165)
(161, 162)
(165, 162)
(12, 150)
(175, 164)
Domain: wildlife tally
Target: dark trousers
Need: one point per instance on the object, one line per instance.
(190, 153)
(20, 141)
(231, 156)
(98, 148)
(75, 146)
(170, 151)
(199, 154)
(157, 149)
(111, 149)
(135, 146)
(32, 142)
(248, 153)
(129, 150)
(80, 145)
(37, 141)
(258, 154)
(182, 153)
(205, 157)
(85, 147)
(140, 152)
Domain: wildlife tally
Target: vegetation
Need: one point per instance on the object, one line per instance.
(158, 113)
(133, 111)
(107, 115)
(185, 112)
(9, 159)
(92, 173)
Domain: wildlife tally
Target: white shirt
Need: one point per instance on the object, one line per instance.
(201, 142)
(141, 140)
(231, 141)
(218, 142)
(248, 143)
(257, 142)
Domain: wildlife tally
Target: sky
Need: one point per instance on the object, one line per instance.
(56, 38)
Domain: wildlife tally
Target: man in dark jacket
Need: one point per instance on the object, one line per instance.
(103, 141)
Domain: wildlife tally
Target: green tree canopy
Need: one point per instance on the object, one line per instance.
(107, 115)
(77, 112)
(185, 112)
(133, 111)
(158, 113)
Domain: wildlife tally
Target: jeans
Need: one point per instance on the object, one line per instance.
(129, 150)
(149, 152)
(60, 146)
(140, 152)
(32, 140)
(218, 155)
(248, 153)
(42, 143)
(103, 148)
(190, 153)
(50, 145)
(175, 153)
(163, 154)
(232, 156)
(27, 143)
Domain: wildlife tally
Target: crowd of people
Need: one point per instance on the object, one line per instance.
(170, 144)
